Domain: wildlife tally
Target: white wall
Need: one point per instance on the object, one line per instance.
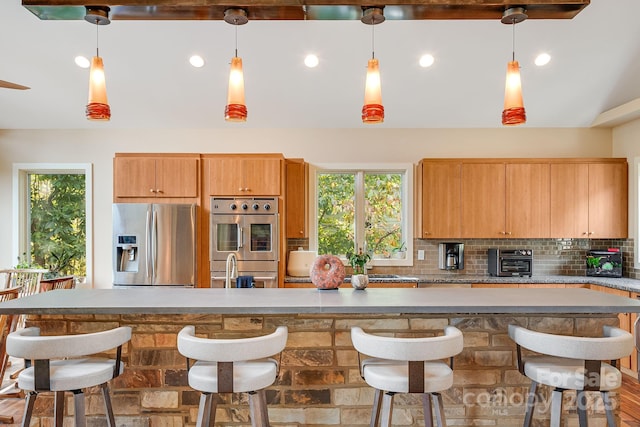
(626, 143)
(377, 145)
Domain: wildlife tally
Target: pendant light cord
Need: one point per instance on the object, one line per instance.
(97, 39)
(235, 24)
(513, 41)
(373, 51)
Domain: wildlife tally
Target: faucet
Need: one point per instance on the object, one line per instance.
(231, 269)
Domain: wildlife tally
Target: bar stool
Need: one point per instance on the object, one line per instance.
(60, 364)
(232, 365)
(571, 363)
(407, 365)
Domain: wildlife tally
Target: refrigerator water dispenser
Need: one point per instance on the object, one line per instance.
(127, 254)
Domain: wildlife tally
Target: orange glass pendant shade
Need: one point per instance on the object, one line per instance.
(373, 111)
(236, 109)
(513, 113)
(98, 106)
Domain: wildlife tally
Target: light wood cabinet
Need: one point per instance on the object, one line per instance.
(151, 176)
(527, 204)
(240, 175)
(441, 199)
(522, 198)
(589, 200)
(296, 198)
(483, 200)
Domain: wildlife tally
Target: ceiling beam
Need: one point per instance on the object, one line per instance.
(303, 9)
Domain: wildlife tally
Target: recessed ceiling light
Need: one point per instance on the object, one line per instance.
(426, 60)
(196, 61)
(82, 62)
(542, 59)
(311, 61)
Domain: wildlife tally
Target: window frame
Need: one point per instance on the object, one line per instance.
(408, 205)
(20, 203)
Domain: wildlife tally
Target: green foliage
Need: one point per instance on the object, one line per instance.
(337, 213)
(58, 234)
(358, 261)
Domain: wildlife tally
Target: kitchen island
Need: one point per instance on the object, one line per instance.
(319, 382)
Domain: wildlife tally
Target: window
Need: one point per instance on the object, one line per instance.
(365, 208)
(52, 212)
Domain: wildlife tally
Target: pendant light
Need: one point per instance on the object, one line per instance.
(372, 111)
(513, 113)
(236, 110)
(98, 105)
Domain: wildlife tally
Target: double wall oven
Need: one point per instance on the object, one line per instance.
(247, 228)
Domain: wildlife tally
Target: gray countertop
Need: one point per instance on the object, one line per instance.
(343, 301)
(621, 283)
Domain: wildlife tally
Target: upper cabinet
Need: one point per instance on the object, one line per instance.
(441, 200)
(245, 175)
(589, 199)
(523, 198)
(152, 176)
(296, 198)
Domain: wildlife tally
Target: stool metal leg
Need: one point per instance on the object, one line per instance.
(30, 401)
(439, 409)
(257, 409)
(108, 409)
(608, 407)
(556, 407)
(581, 403)
(78, 408)
(204, 410)
(58, 408)
(428, 412)
(265, 411)
(375, 412)
(531, 403)
(387, 409)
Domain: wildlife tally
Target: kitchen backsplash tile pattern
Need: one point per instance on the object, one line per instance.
(565, 257)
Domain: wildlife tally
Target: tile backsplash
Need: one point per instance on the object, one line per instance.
(550, 256)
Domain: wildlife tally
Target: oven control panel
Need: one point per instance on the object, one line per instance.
(221, 205)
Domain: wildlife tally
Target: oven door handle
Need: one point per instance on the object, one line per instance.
(241, 239)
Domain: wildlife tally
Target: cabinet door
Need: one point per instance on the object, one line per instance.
(176, 177)
(225, 176)
(240, 176)
(607, 200)
(262, 176)
(441, 200)
(527, 200)
(134, 177)
(569, 200)
(296, 199)
(483, 200)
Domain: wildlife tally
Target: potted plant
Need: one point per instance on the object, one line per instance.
(359, 278)
(400, 252)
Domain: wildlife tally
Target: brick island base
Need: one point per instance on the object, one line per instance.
(319, 382)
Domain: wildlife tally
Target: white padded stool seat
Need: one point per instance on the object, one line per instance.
(407, 365)
(391, 375)
(72, 374)
(568, 373)
(64, 363)
(247, 376)
(232, 365)
(571, 363)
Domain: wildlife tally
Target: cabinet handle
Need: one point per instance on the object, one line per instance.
(301, 232)
(426, 233)
(240, 189)
(158, 190)
(508, 233)
(247, 189)
(152, 190)
(591, 232)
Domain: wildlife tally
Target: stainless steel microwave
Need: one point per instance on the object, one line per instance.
(510, 262)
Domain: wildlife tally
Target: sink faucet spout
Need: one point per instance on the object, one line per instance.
(231, 269)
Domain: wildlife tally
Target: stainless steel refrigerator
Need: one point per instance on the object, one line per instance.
(154, 244)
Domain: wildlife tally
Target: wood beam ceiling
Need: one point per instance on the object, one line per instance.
(303, 9)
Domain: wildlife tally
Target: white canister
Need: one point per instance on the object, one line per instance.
(300, 263)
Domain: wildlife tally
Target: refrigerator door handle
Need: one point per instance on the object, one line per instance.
(154, 245)
(147, 252)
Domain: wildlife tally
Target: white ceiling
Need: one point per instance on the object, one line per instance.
(595, 66)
